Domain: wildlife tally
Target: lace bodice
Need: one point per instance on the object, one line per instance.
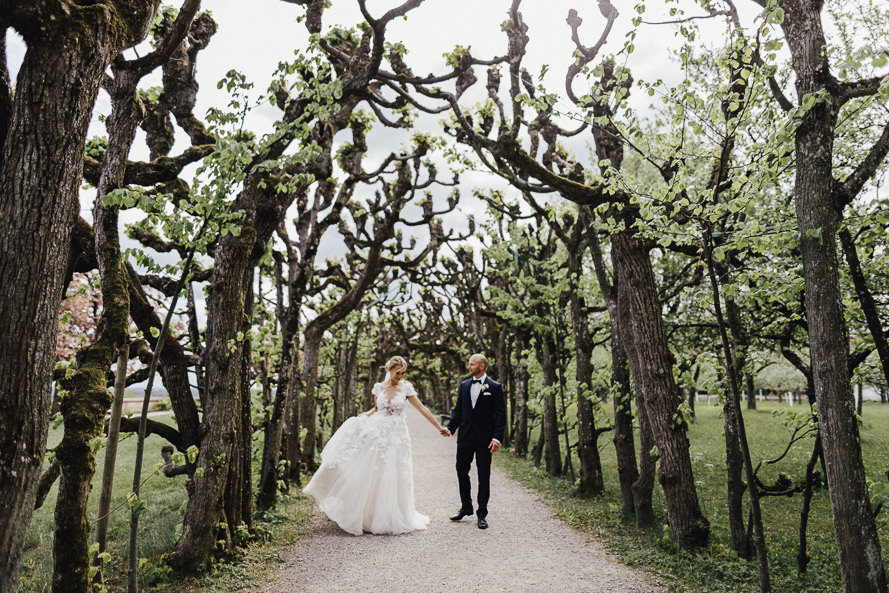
(392, 398)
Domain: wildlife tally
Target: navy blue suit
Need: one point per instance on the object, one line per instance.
(475, 427)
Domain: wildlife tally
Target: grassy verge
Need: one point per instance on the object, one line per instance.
(717, 569)
(254, 563)
(159, 529)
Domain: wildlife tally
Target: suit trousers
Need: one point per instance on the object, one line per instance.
(482, 455)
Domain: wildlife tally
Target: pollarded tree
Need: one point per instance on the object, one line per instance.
(523, 254)
(351, 61)
(86, 401)
(43, 128)
(374, 242)
(820, 195)
(270, 173)
(575, 231)
(537, 166)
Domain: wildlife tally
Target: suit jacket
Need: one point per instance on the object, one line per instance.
(477, 426)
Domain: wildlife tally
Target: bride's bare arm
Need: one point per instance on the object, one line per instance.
(415, 401)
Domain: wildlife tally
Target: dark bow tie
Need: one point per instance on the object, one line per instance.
(474, 381)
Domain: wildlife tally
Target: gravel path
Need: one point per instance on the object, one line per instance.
(525, 550)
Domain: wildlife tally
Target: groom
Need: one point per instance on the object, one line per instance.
(480, 418)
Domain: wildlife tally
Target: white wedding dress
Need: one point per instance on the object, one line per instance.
(366, 479)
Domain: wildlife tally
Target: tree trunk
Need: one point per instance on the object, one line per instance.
(751, 391)
(868, 305)
(537, 452)
(591, 481)
(439, 395)
(861, 564)
(733, 401)
(87, 402)
(344, 384)
(40, 172)
(340, 384)
(274, 428)
(643, 487)
(802, 555)
(520, 426)
(546, 352)
(307, 406)
(734, 461)
(291, 442)
(111, 451)
(502, 372)
(238, 499)
(734, 466)
(624, 443)
(223, 410)
(651, 363)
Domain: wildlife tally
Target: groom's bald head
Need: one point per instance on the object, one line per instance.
(477, 365)
(480, 358)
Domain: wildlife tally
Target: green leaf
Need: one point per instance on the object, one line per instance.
(815, 234)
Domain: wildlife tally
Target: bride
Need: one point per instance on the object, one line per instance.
(366, 478)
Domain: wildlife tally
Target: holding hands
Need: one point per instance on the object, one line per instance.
(443, 430)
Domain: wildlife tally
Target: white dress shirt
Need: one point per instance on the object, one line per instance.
(476, 388)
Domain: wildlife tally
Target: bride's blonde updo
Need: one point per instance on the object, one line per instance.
(393, 364)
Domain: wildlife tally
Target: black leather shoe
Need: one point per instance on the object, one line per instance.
(482, 524)
(462, 513)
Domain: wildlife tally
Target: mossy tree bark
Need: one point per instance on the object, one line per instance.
(87, 402)
(520, 373)
(88, 399)
(45, 124)
(547, 355)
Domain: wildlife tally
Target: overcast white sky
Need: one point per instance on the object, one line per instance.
(254, 35)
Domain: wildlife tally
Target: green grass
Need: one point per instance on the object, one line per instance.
(717, 569)
(254, 563)
(159, 529)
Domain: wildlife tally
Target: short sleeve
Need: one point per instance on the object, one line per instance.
(409, 389)
(376, 389)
